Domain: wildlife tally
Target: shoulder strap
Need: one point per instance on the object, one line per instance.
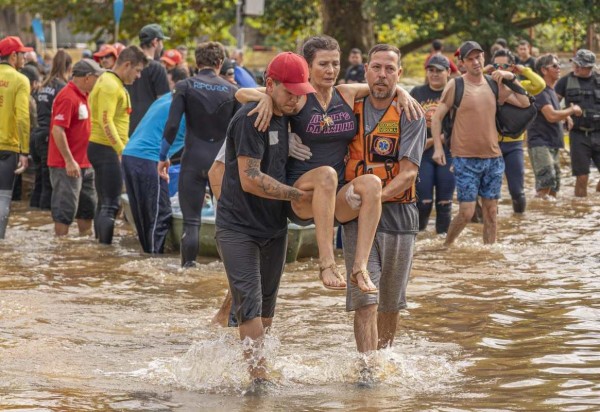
(459, 88)
(493, 85)
(572, 82)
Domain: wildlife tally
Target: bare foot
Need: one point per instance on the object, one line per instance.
(222, 316)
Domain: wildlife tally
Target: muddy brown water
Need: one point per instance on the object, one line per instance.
(513, 326)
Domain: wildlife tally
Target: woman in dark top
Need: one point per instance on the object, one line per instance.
(326, 124)
(57, 79)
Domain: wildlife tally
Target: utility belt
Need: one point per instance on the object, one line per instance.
(587, 132)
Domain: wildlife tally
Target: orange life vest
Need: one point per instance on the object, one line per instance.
(376, 152)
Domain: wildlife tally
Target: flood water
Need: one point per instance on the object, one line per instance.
(513, 326)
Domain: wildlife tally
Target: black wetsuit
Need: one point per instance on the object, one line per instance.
(328, 144)
(208, 103)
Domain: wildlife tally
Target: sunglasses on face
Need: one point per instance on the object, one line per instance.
(501, 66)
(554, 66)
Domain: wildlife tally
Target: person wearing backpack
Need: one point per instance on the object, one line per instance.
(582, 87)
(477, 159)
(545, 135)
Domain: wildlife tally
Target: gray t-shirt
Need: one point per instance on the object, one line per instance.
(400, 218)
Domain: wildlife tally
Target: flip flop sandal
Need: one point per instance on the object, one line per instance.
(336, 273)
(366, 278)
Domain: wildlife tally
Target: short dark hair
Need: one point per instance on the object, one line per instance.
(313, 44)
(132, 54)
(544, 61)
(437, 45)
(383, 47)
(178, 74)
(355, 50)
(210, 54)
(502, 42)
(523, 43)
(504, 53)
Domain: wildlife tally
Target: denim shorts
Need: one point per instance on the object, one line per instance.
(475, 176)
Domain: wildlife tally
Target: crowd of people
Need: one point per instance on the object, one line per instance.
(362, 153)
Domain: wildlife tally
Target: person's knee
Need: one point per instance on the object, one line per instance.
(366, 312)
(466, 212)
(368, 186)
(327, 178)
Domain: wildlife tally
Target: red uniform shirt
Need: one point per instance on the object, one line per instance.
(71, 112)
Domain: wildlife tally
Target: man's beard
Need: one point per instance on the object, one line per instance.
(382, 95)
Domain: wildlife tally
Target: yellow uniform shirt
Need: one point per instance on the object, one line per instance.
(110, 107)
(534, 84)
(14, 110)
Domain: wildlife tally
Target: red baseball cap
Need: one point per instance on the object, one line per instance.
(172, 57)
(292, 70)
(105, 50)
(12, 44)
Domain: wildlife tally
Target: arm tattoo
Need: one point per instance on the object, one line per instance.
(253, 168)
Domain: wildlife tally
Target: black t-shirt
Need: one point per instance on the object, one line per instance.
(530, 62)
(329, 145)
(241, 211)
(44, 100)
(429, 99)
(152, 84)
(355, 73)
(542, 132)
(209, 103)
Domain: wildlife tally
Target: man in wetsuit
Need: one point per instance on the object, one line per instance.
(14, 121)
(208, 102)
(251, 218)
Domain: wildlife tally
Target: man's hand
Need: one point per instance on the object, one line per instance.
(576, 110)
(73, 169)
(439, 157)
(569, 123)
(500, 75)
(22, 165)
(411, 107)
(297, 150)
(163, 169)
(354, 200)
(264, 108)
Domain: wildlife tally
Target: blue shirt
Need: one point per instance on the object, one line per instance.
(243, 78)
(147, 138)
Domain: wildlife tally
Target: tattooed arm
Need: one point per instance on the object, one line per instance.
(259, 184)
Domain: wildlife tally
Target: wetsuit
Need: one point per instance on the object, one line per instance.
(208, 103)
(14, 133)
(328, 144)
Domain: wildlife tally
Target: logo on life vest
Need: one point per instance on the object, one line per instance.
(388, 127)
(383, 146)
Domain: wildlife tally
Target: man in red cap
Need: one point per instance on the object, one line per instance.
(171, 59)
(14, 121)
(251, 219)
(107, 56)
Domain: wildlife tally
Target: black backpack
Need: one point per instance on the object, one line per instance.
(511, 120)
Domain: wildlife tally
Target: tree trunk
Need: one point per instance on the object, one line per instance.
(345, 21)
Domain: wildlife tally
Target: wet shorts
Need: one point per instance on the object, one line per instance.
(254, 266)
(583, 149)
(390, 262)
(72, 198)
(475, 176)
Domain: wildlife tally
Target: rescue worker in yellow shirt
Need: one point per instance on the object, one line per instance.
(14, 121)
(111, 107)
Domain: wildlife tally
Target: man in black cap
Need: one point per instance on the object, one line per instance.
(582, 88)
(154, 82)
(477, 159)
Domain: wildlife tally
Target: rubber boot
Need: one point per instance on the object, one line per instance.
(189, 245)
(105, 224)
(424, 213)
(5, 198)
(519, 203)
(443, 212)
